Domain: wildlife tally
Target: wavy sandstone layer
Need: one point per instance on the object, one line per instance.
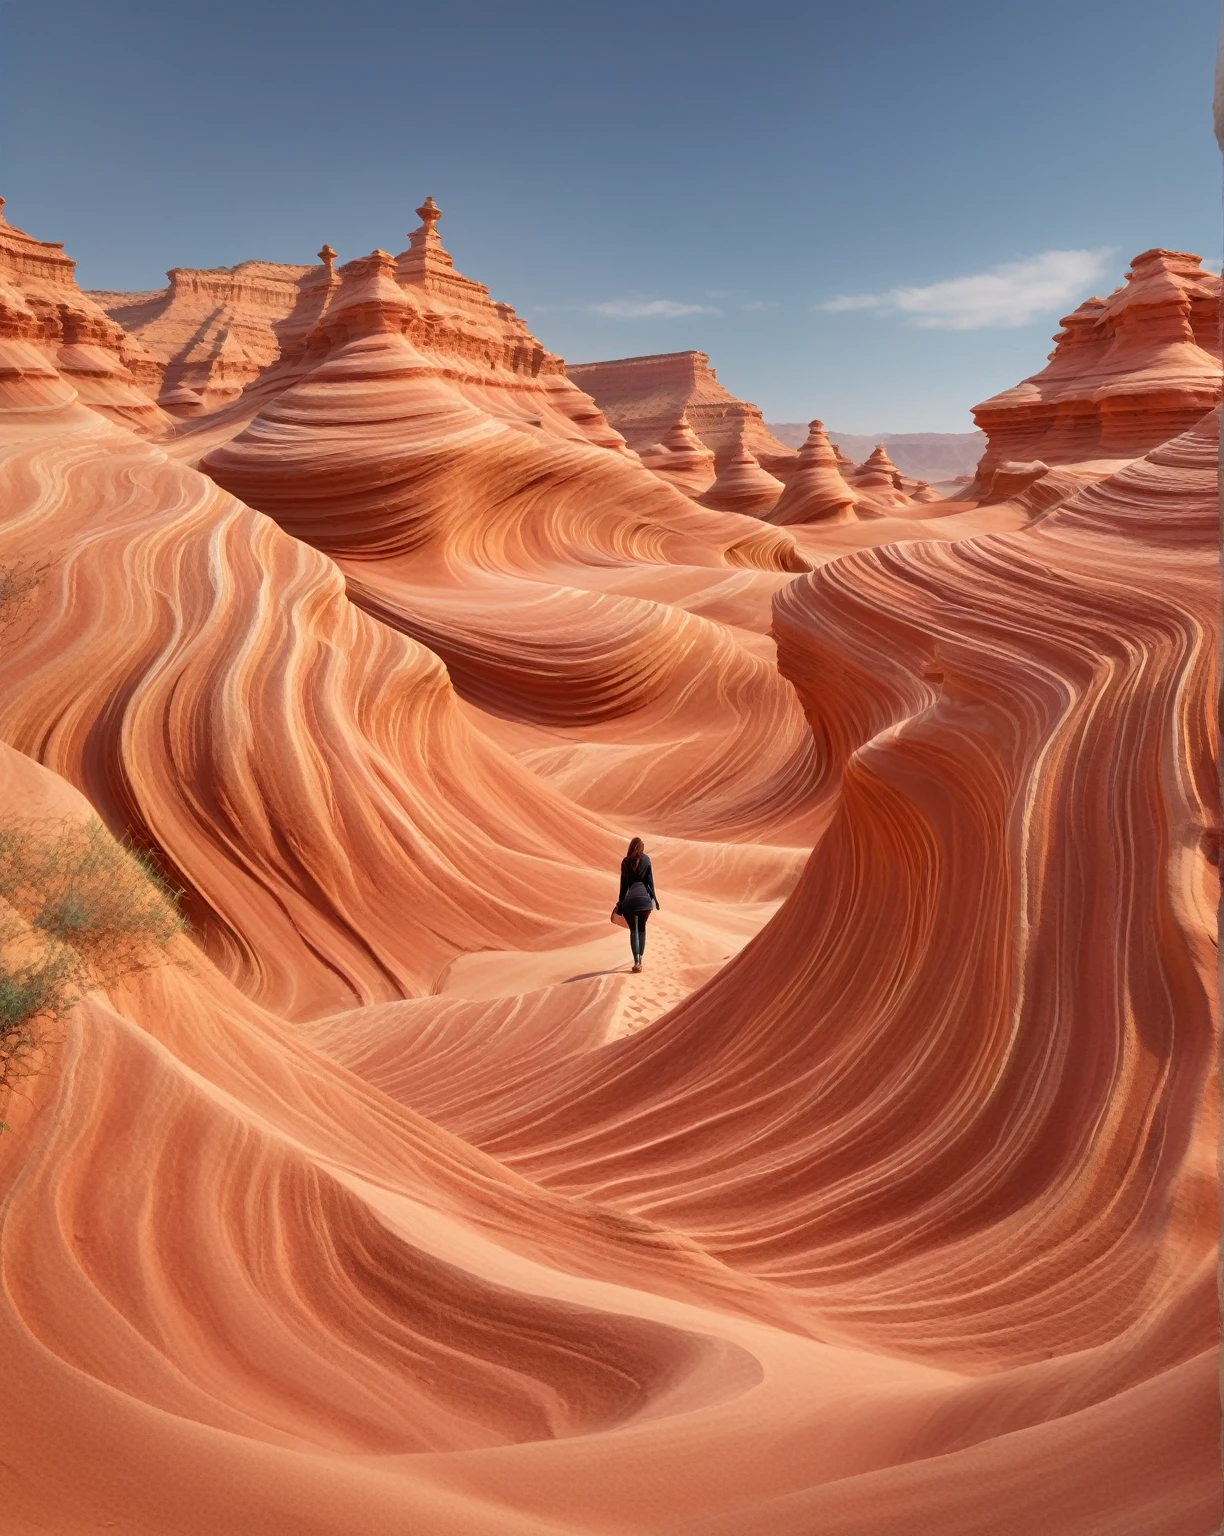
(883, 1200)
(1127, 372)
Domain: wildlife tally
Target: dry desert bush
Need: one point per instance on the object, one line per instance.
(77, 910)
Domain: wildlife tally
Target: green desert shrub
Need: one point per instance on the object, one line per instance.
(84, 911)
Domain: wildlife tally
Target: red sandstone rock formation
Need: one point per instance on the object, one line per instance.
(458, 496)
(742, 485)
(216, 330)
(219, 331)
(816, 492)
(877, 480)
(924, 455)
(644, 398)
(50, 330)
(682, 459)
(1126, 373)
(375, 1208)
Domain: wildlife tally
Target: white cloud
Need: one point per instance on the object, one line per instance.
(650, 309)
(759, 304)
(1016, 293)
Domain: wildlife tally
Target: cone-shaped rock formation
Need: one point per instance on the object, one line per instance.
(816, 491)
(882, 1200)
(682, 459)
(644, 397)
(878, 481)
(742, 485)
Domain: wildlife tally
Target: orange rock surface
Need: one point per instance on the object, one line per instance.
(1126, 373)
(644, 398)
(216, 330)
(50, 330)
(816, 491)
(883, 1200)
(682, 459)
(742, 485)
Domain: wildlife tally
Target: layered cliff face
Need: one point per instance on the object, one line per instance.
(1127, 372)
(882, 1200)
(216, 330)
(644, 398)
(50, 330)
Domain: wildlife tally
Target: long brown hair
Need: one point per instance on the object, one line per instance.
(636, 850)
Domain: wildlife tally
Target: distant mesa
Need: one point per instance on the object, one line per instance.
(1127, 372)
(670, 406)
(215, 330)
(644, 398)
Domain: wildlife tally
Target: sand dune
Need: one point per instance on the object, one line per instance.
(884, 1198)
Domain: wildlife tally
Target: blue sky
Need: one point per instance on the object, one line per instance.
(873, 212)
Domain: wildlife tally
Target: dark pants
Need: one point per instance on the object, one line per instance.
(637, 933)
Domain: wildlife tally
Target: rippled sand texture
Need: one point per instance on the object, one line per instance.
(883, 1201)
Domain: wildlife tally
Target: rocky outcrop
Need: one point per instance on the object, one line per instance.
(53, 333)
(217, 329)
(926, 456)
(743, 485)
(1127, 372)
(644, 398)
(816, 492)
(877, 480)
(682, 459)
(372, 438)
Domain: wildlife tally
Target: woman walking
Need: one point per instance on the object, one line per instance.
(637, 897)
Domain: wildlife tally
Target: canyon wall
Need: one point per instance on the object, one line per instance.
(644, 397)
(1127, 372)
(882, 1199)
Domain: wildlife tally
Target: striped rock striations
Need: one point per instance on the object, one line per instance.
(817, 491)
(883, 1199)
(1127, 372)
(216, 330)
(478, 510)
(51, 331)
(644, 398)
(682, 459)
(742, 484)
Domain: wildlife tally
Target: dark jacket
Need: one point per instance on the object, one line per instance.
(637, 892)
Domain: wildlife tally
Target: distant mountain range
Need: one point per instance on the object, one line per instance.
(928, 455)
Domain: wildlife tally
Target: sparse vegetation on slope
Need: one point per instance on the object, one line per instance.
(77, 910)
